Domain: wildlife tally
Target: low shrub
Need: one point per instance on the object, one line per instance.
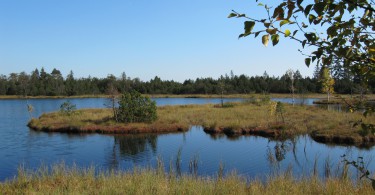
(135, 108)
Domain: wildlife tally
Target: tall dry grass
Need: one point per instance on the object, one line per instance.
(63, 180)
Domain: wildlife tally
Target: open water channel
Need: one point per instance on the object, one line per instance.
(249, 156)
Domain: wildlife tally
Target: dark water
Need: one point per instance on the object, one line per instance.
(250, 156)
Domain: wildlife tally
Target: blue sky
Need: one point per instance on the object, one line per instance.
(172, 39)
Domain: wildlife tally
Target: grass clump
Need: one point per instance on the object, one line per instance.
(63, 180)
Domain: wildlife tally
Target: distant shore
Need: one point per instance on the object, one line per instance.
(257, 95)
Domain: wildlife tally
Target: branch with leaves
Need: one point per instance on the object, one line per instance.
(346, 30)
(340, 34)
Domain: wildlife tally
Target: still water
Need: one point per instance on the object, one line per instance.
(249, 156)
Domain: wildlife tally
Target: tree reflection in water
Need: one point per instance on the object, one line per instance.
(133, 148)
(277, 153)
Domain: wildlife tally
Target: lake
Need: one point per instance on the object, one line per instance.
(250, 156)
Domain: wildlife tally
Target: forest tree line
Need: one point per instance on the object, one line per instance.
(42, 83)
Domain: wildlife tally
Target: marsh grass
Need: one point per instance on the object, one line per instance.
(298, 120)
(61, 179)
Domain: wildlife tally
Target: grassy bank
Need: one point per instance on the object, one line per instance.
(63, 180)
(238, 119)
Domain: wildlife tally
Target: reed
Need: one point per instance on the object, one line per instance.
(61, 179)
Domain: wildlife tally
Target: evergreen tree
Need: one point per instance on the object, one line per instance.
(70, 83)
(43, 81)
(3, 85)
(23, 84)
(12, 84)
(34, 83)
(57, 82)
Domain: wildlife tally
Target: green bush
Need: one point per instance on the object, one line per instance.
(135, 108)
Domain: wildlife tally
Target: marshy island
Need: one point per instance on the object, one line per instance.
(260, 117)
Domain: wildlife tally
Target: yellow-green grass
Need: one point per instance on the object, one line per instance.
(63, 180)
(242, 118)
(101, 121)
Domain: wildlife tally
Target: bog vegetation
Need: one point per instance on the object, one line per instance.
(252, 117)
(63, 180)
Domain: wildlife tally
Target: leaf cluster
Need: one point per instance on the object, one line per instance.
(327, 81)
(340, 31)
(361, 167)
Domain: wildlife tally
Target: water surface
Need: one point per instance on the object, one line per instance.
(250, 156)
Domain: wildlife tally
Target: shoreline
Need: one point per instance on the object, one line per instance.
(272, 95)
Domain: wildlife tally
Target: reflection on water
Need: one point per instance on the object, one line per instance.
(134, 148)
(250, 156)
(132, 145)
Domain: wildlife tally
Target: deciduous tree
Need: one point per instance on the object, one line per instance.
(327, 82)
(335, 31)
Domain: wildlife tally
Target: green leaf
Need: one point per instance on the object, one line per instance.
(304, 43)
(256, 34)
(371, 49)
(295, 32)
(299, 2)
(279, 11)
(319, 7)
(260, 4)
(287, 33)
(275, 39)
(366, 13)
(307, 62)
(271, 31)
(311, 18)
(249, 25)
(265, 39)
(232, 15)
(284, 22)
(307, 9)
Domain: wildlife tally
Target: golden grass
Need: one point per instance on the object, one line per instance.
(63, 180)
(242, 118)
